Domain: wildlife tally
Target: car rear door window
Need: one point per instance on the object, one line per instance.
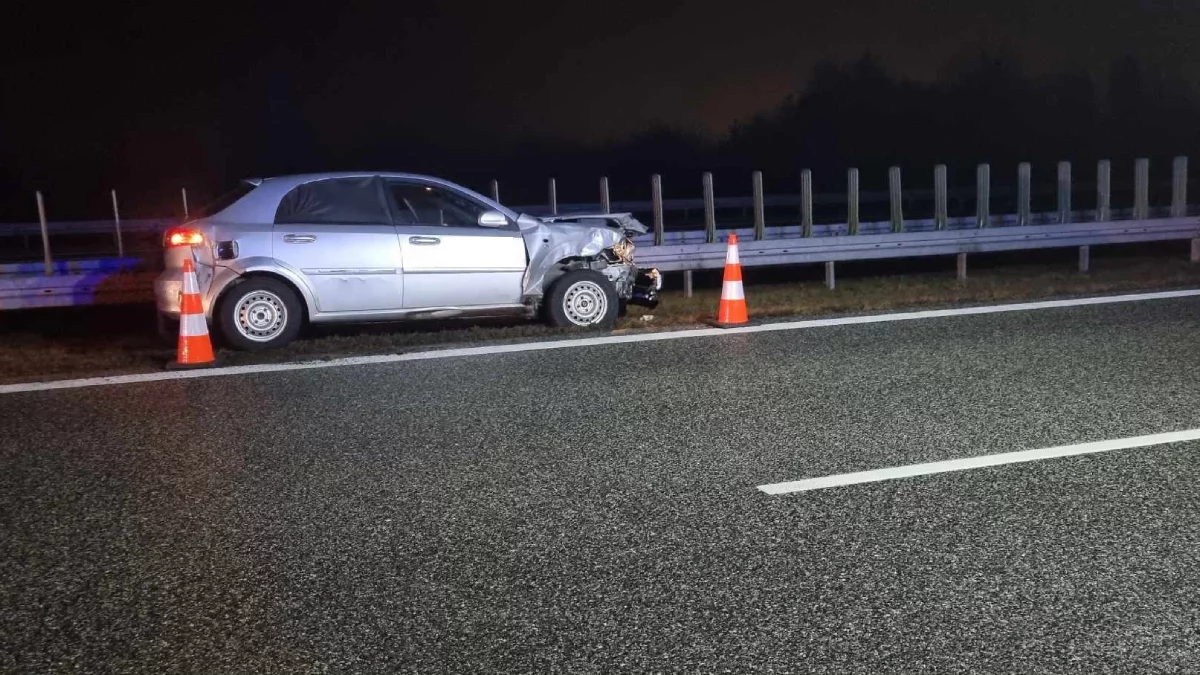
(349, 201)
(418, 204)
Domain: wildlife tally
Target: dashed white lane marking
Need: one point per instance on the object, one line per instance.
(968, 463)
(588, 342)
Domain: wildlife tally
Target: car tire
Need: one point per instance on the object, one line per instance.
(260, 313)
(582, 299)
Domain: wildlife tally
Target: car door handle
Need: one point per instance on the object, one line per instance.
(299, 238)
(424, 241)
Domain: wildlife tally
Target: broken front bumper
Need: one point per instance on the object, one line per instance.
(646, 286)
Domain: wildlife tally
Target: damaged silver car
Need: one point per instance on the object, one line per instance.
(354, 247)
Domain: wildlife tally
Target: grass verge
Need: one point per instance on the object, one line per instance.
(52, 344)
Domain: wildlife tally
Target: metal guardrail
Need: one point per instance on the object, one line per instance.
(827, 247)
(64, 227)
(798, 240)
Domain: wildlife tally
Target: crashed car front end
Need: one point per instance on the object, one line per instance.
(601, 242)
(635, 285)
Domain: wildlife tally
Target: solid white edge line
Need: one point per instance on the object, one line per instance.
(967, 463)
(587, 342)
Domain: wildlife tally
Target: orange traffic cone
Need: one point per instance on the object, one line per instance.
(195, 349)
(732, 311)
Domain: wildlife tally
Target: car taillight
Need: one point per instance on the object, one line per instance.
(183, 236)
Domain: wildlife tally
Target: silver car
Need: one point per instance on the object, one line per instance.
(356, 247)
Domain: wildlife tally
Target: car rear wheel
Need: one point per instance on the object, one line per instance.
(260, 313)
(583, 298)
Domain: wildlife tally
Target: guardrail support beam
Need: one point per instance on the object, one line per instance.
(1064, 192)
(687, 283)
(1104, 190)
(760, 219)
(852, 200)
(1085, 258)
(656, 205)
(1141, 189)
(117, 225)
(983, 192)
(961, 266)
(1024, 176)
(605, 204)
(806, 202)
(1196, 250)
(1179, 177)
(47, 261)
(495, 190)
(553, 197)
(894, 199)
(710, 214)
(939, 197)
(830, 276)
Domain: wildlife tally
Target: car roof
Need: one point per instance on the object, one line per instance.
(301, 178)
(260, 204)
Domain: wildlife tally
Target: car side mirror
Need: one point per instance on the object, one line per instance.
(492, 219)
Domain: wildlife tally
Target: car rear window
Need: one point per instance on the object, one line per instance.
(349, 201)
(224, 201)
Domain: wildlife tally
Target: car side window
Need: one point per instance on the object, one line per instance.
(340, 201)
(417, 204)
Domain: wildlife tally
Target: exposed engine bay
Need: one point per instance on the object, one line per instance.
(600, 242)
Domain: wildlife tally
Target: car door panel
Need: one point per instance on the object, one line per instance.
(337, 233)
(449, 259)
(461, 266)
(349, 267)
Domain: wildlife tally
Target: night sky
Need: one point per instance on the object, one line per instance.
(139, 93)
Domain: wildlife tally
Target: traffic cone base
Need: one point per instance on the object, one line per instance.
(195, 349)
(732, 310)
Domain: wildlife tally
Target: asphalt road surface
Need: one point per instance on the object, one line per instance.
(595, 509)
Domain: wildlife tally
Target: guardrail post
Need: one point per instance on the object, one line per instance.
(553, 197)
(983, 191)
(656, 200)
(806, 202)
(960, 264)
(46, 259)
(117, 225)
(1141, 189)
(1179, 177)
(186, 216)
(939, 197)
(710, 215)
(1085, 257)
(830, 278)
(1195, 250)
(1024, 175)
(1104, 190)
(760, 220)
(1064, 192)
(605, 204)
(687, 283)
(895, 197)
(495, 190)
(852, 200)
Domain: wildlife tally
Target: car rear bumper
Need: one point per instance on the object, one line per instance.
(168, 288)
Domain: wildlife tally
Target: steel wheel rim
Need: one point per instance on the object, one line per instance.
(585, 303)
(260, 316)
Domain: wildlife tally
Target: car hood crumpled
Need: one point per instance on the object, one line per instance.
(551, 239)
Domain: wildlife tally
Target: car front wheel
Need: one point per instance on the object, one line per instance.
(583, 298)
(260, 313)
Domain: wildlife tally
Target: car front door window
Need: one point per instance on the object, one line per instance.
(429, 205)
